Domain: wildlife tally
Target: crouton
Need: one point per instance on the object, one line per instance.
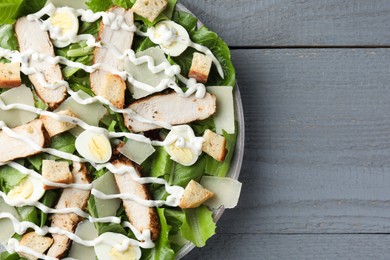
(113, 89)
(55, 127)
(200, 67)
(150, 9)
(194, 195)
(56, 171)
(10, 75)
(36, 242)
(214, 145)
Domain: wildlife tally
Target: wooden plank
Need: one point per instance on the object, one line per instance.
(296, 22)
(317, 142)
(243, 246)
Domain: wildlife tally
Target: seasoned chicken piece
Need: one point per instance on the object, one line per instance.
(104, 83)
(12, 148)
(70, 198)
(32, 37)
(141, 217)
(170, 108)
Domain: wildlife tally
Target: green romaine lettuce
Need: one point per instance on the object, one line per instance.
(163, 249)
(218, 47)
(198, 225)
(28, 213)
(9, 178)
(8, 39)
(49, 199)
(13, 9)
(220, 169)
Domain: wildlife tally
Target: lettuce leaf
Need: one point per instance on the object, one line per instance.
(49, 199)
(220, 169)
(10, 256)
(198, 225)
(218, 47)
(9, 178)
(163, 249)
(28, 213)
(13, 9)
(103, 227)
(182, 175)
(8, 39)
(8, 10)
(99, 5)
(30, 6)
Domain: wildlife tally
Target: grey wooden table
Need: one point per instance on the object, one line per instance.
(315, 81)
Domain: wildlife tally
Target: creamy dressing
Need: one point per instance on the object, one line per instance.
(116, 22)
(169, 36)
(21, 228)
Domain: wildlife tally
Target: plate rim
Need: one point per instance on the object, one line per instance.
(236, 164)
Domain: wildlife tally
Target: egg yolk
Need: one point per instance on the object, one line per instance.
(99, 146)
(22, 191)
(183, 155)
(63, 21)
(129, 254)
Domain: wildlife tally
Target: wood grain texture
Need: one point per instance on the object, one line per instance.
(276, 247)
(317, 142)
(316, 171)
(296, 22)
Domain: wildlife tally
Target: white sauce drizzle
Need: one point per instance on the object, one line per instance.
(170, 36)
(116, 22)
(21, 227)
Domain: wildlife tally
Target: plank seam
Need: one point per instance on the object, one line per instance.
(309, 47)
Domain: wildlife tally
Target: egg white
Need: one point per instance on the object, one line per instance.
(95, 147)
(27, 192)
(104, 251)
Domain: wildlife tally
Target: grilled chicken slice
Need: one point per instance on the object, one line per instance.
(170, 108)
(70, 198)
(12, 148)
(32, 37)
(104, 83)
(141, 217)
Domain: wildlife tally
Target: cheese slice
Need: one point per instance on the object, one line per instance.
(7, 228)
(143, 74)
(86, 231)
(136, 151)
(16, 117)
(91, 113)
(226, 191)
(224, 117)
(107, 185)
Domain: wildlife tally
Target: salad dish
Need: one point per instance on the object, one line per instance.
(121, 130)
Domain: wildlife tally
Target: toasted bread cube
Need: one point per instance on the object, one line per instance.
(10, 75)
(55, 127)
(36, 242)
(214, 145)
(150, 9)
(113, 89)
(200, 67)
(56, 171)
(194, 195)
